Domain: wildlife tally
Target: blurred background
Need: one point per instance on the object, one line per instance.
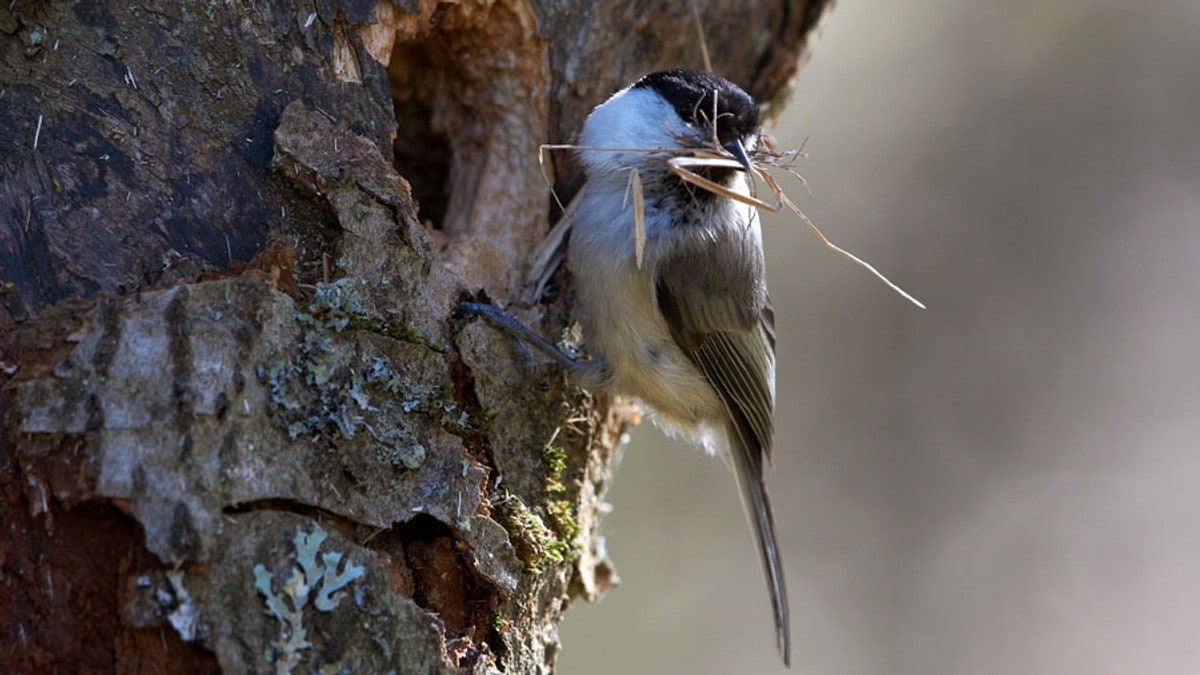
(1008, 482)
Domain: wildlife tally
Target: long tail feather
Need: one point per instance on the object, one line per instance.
(747, 463)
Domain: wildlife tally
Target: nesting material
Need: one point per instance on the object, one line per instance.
(685, 163)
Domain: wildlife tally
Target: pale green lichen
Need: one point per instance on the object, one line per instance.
(343, 304)
(327, 389)
(308, 575)
(185, 617)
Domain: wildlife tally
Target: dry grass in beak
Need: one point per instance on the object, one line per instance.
(684, 168)
(783, 198)
(684, 163)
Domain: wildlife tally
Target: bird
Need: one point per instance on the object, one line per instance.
(680, 318)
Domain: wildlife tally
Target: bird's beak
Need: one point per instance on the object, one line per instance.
(739, 152)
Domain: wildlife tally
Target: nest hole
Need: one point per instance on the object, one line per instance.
(423, 154)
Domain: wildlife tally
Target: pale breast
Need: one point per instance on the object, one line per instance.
(622, 324)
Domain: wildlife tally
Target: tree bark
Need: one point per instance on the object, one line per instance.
(245, 431)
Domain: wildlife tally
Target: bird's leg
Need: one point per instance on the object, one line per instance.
(589, 374)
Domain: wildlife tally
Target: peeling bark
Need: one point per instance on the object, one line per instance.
(245, 431)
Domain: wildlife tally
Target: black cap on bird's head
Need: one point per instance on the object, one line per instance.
(692, 94)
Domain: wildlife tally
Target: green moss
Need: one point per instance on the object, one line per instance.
(499, 623)
(555, 539)
(556, 463)
(565, 523)
(395, 331)
(535, 543)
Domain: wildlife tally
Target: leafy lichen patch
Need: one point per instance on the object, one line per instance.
(324, 574)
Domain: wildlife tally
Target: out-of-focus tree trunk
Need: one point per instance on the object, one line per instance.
(244, 431)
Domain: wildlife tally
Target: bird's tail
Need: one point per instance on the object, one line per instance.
(747, 465)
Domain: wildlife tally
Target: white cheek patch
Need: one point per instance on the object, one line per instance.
(631, 118)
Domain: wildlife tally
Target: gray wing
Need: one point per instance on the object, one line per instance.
(729, 333)
(721, 317)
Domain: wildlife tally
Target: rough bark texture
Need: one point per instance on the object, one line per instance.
(245, 431)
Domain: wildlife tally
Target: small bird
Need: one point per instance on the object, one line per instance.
(685, 324)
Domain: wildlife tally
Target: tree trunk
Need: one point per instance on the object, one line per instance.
(245, 431)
